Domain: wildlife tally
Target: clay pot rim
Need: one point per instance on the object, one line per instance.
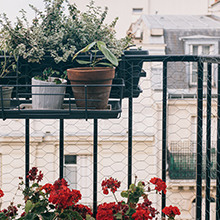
(89, 69)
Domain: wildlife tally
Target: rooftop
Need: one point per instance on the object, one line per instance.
(182, 21)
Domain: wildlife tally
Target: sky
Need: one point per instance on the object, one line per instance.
(12, 8)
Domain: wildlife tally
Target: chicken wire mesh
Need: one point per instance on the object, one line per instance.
(113, 141)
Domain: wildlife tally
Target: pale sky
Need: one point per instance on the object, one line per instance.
(12, 7)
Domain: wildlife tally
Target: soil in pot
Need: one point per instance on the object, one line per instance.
(6, 93)
(47, 97)
(92, 85)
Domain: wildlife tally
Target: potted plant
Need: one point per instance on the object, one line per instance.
(84, 78)
(7, 65)
(58, 33)
(48, 91)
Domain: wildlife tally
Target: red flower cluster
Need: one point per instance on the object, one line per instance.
(1, 193)
(62, 196)
(141, 214)
(32, 175)
(82, 210)
(47, 187)
(171, 211)
(160, 184)
(106, 211)
(11, 211)
(112, 184)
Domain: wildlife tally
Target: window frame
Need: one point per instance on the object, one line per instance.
(200, 40)
(71, 165)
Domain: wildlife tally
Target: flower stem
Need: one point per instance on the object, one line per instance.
(115, 197)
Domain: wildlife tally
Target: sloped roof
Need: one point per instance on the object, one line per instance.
(181, 21)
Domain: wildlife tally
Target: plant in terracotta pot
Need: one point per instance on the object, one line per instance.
(92, 84)
(7, 65)
(48, 91)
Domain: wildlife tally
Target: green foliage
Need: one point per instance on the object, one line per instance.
(54, 33)
(98, 46)
(7, 64)
(134, 193)
(49, 72)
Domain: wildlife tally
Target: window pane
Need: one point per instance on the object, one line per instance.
(70, 174)
(195, 50)
(205, 50)
(70, 159)
(194, 76)
(137, 10)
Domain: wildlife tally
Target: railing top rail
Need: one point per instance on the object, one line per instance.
(176, 58)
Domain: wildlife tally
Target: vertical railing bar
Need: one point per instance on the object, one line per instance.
(86, 112)
(164, 131)
(61, 148)
(208, 140)
(2, 105)
(95, 166)
(199, 141)
(17, 76)
(130, 126)
(218, 153)
(27, 150)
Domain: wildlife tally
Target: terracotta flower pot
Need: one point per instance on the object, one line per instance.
(97, 96)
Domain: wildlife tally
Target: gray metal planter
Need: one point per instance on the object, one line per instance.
(47, 95)
(6, 94)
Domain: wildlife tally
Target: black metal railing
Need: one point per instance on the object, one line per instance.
(198, 159)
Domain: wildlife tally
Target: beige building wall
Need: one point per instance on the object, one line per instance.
(124, 9)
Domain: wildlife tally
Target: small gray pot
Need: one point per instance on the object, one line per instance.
(42, 96)
(6, 93)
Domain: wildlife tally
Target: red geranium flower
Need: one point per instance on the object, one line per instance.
(112, 184)
(105, 211)
(83, 210)
(1, 193)
(141, 214)
(160, 184)
(47, 187)
(40, 177)
(171, 211)
(62, 196)
(32, 173)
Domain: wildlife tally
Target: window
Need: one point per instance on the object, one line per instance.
(199, 50)
(200, 45)
(212, 208)
(136, 13)
(137, 10)
(70, 170)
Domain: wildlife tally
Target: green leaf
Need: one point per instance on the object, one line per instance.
(28, 206)
(48, 215)
(51, 206)
(83, 62)
(124, 194)
(35, 185)
(30, 216)
(109, 55)
(85, 49)
(2, 215)
(100, 44)
(105, 64)
(40, 209)
(94, 51)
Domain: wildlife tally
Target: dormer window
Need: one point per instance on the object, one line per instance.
(200, 45)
